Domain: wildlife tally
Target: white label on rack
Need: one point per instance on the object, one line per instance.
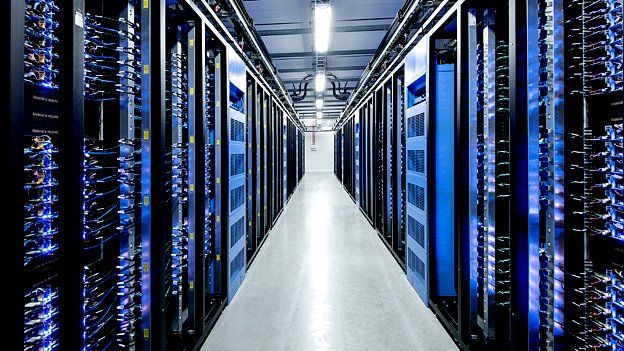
(79, 19)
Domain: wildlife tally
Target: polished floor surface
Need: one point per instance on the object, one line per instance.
(324, 281)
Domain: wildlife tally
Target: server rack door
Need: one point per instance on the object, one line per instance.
(389, 152)
(249, 172)
(380, 162)
(357, 158)
(270, 163)
(398, 166)
(215, 274)
(257, 166)
(12, 75)
(236, 182)
(442, 160)
(372, 164)
(469, 108)
(197, 178)
(48, 184)
(284, 137)
(266, 111)
(416, 92)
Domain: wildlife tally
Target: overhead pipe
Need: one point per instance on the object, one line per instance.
(342, 95)
(302, 92)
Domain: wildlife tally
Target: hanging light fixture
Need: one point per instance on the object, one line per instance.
(322, 26)
(319, 103)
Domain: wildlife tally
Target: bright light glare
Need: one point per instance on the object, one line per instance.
(322, 24)
(319, 103)
(319, 114)
(320, 82)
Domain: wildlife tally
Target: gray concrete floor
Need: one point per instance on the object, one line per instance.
(324, 281)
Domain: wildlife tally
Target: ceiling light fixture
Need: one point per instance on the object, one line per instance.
(319, 103)
(319, 114)
(322, 25)
(320, 82)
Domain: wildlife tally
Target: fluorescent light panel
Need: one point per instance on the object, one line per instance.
(320, 82)
(322, 27)
(319, 103)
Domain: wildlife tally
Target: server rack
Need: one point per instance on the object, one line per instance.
(120, 125)
(527, 252)
(251, 175)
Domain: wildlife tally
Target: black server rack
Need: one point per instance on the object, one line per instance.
(250, 171)
(124, 148)
(517, 234)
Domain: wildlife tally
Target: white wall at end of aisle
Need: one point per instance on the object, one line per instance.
(323, 158)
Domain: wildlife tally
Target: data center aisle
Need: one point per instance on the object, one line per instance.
(324, 281)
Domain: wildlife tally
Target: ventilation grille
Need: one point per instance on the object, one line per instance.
(416, 161)
(237, 231)
(237, 164)
(416, 195)
(420, 267)
(237, 264)
(416, 125)
(416, 231)
(411, 260)
(237, 130)
(237, 197)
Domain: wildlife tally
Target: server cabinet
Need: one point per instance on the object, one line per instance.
(356, 156)
(41, 136)
(387, 111)
(284, 163)
(257, 168)
(235, 179)
(417, 132)
(250, 168)
(398, 167)
(266, 162)
(443, 171)
(127, 135)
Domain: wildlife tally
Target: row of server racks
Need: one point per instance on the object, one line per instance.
(490, 162)
(146, 164)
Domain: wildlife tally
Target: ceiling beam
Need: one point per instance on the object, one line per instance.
(311, 81)
(304, 54)
(328, 69)
(342, 29)
(326, 103)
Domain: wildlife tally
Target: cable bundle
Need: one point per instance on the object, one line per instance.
(615, 289)
(482, 198)
(209, 127)
(110, 67)
(40, 222)
(609, 189)
(605, 292)
(546, 172)
(603, 46)
(101, 220)
(177, 102)
(112, 73)
(40, 57)
(129, 283)
(41, 324)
